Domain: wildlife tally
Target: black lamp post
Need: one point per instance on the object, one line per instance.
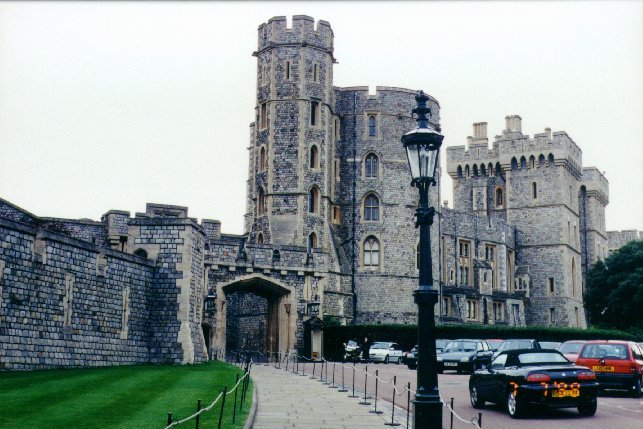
(422, 148)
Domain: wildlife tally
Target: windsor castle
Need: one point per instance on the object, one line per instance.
(329, 234)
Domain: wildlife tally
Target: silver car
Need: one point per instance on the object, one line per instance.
(385, 352)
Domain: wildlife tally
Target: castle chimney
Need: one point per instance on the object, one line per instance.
(480, 130)
(514, 123)
(548, 132)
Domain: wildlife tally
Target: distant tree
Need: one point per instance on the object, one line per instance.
(614, 296)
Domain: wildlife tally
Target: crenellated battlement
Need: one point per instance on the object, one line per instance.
(513, 147)
(303, 32)
(596, 184)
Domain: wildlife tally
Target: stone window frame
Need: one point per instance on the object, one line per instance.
(499, 202)
(377, 122)
(336, 170)
(336, 214)
(316, 72)
(312, 242)
(261, 202)
(490, 255)
(264, 74)
(379, 251)
(263, 115)
(367, 166)
(288, 70)
(551, 315)
(337, 128)
(125, 313)
(369, 210)
(445, 311)
(314, 157)
(260, 238)
(472, 309)
(314, 200)
(263, 158)
(551, 286)
(534, 190)
(498, 310)
(315, 113)
(68, 298)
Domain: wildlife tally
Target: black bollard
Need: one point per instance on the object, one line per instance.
(225, 388)
(353, 395)
(287, 360)
(234, 406)
(343, 389)
(169, 419)
(365, 402)
(303, 368)
(198, 408)
(393, 422)
(480, 420)
(332, 386)
(377, 372)
(451, 413)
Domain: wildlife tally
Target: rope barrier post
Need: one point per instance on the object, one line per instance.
(365, 402)
(169, 419)
(408, 403)
(393, 422)
(377, 372)
(303, 368)
(343, 389)
(353, 395)
(326, 378)
(332, 386)
(287, 357)
(198, 408)
(225, 388)
(313, 376)
(480, 420)
(234, 406)
(452, 413)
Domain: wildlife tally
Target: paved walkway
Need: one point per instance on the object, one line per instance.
(287, 400)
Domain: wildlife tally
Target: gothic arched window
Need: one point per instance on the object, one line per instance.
(261, 202)
(371, 208)
(314, 157)
(371, 252)
(371, 165)
(260, 238)
(313, 200)
(372, 127)
(262, 159)
(499, 197)
(514, 163)
(312, 241)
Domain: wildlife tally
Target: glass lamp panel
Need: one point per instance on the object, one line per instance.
(412, 153)
(427, 162)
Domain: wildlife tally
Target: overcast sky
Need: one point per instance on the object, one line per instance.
(112, 105)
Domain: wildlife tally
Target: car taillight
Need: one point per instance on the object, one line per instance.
(538, 377)
(586, 375)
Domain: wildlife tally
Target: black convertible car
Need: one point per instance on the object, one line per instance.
(516, 378)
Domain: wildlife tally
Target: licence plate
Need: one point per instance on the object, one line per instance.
(573, 393)
(603, 368)
(450, 364)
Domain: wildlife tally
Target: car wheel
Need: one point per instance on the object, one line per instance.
(439, 370)
(587, 409)
(476, 402)
(399, 360)
(412, 365)
(514, 407)
(637, 388)
(386, 359)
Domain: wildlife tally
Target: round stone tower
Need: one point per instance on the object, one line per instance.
(291, 139)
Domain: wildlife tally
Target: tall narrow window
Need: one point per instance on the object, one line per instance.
(532, 162)
(336, 214)
(263, 120)
(314, 157)
(68, 298)
(371, 165)
(472, 309)
(550, 159)
(287, 70)
(261, 203)
(313, 200)
(573, 278)
(552, 315)
(312, 241)
(534, 190)
(514, 163)
(260, 238)
(337, 172)
(315, 73)
(125, 313)
(372, 126)
(371, 208)
(550, 285)
(417, 256)
(499, 198)
(314, 113)
(371, 252)
(523, 162)
(262, 159)
(337, 129)
(446, 306)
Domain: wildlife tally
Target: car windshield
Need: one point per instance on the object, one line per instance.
(460, 346)
(540, 358)
(440, 343)
(351, 343)
(549, 344)
(513, 345)
(380, 346)
(494, 344)
(604, 351)
(571, 348)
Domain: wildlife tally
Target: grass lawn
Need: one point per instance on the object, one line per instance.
(120, 397)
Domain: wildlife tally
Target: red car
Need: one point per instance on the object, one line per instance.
(617, 364)
(571, 349)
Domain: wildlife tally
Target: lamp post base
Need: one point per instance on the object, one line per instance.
(427, 412)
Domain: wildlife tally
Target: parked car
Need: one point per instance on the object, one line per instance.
(517, 378)
(617, 364)
(411, 358)
(464, 355)
(571, 349)
(551, 345)
(516, 344)
(385, 352)
(352, 351)
(494, 344)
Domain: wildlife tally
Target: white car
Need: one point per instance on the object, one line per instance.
(385, 352)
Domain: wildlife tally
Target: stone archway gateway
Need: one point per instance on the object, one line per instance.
(255, 314)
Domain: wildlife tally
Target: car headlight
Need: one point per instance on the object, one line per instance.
(438, 358)
(466, 359)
